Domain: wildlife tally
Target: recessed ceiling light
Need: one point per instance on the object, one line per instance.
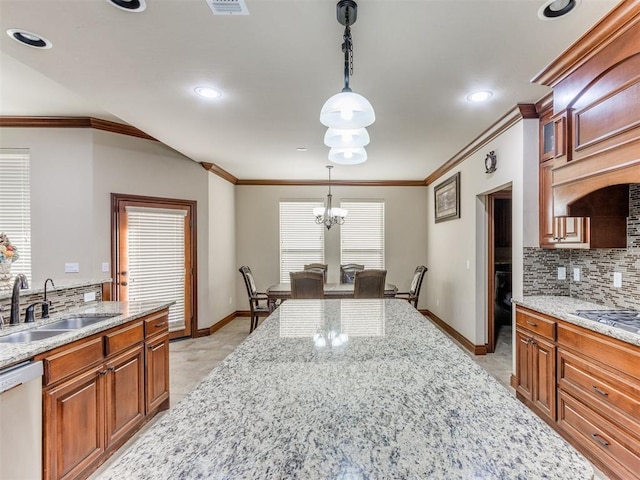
(208, 92)
(29, 38)
(129, 5)
(479, 96)
(301, 149)
(553, 9)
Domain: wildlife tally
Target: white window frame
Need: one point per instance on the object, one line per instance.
(15, 205)
(362, 235)
(301, 238)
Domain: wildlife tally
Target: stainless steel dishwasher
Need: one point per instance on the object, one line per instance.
(21, 422)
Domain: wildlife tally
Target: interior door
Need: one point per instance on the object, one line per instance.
(153, 252)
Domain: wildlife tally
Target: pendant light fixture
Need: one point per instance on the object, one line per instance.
(347, 113)
(329, 215)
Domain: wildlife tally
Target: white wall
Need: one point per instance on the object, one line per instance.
(257, 210)
(73, 173)
(458, 295)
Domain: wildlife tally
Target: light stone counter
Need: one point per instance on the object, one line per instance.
(394, 398)
(564, 307)
(118, 313)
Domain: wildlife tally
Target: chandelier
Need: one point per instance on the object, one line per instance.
(329, 215)
(347, 113)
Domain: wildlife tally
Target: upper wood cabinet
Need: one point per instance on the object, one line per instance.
(596, 92)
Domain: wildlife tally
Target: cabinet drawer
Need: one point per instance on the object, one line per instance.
(536, 323)
(601, 390)
(602, 439)
(156, 323)
(123, 338)
(73, 359)
(607, 350)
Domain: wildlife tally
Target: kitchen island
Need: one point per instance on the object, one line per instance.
(349, 389)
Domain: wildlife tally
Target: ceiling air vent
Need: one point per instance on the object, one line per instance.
(228, 7)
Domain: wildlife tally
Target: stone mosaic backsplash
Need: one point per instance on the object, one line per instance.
(61, 299)
(596, 268)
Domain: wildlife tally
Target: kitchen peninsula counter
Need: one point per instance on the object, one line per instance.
(327, 389)
(564, 307)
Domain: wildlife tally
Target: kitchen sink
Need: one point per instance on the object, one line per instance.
(74, 323)
(30, 336)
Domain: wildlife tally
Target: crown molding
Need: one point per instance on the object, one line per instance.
(618, 21)
(222, 173)
(352, 183)
(519, 112)
(73, 122)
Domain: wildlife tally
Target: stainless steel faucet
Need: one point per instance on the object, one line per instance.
(19, 283)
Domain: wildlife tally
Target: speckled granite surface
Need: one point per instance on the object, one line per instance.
(564, 307)
(118, 313)
(397, 399)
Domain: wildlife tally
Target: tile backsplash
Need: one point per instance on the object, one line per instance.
(596, 268)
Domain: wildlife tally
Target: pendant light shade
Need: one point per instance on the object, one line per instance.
(348, 156)
(346, 138)
(347, 110)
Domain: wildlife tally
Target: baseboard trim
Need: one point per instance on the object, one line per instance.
(452, 332)
(203, 332)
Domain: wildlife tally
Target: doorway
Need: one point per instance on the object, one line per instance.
(499, 265)
(153, 254)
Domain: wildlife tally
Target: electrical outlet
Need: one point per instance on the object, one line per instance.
(617, 279)
(562, 273)
(71, 267)
(230, 300)
(89, 296)
(576, 274)
(105, 266)
(468, 264)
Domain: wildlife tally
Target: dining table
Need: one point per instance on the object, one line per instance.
(282, 291)
(349, 389)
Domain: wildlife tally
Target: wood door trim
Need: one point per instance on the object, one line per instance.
(491, 274)
(191, 205)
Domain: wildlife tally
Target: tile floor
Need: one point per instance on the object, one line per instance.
(192, 359)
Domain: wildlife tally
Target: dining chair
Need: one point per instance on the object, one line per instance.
(414, 290)
(307, 284)
(369, 284)
(348, 272)
(321, 267)
(257, 308)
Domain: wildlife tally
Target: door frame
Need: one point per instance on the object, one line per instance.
(190, 239)
(491, 267)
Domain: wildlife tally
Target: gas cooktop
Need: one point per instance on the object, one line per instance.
(626, 319)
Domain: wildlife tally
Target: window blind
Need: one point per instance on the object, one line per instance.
(15, 206)
(362, 235)
(155, 250)
(301, 238)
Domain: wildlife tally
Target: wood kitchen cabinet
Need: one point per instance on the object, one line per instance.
(98, 391)
(592, 392)
(536, 362)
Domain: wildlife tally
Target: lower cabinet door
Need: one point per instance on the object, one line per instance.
(524, 366)
(544, 381)
(74, 428)
(124, 394)
(157, 372)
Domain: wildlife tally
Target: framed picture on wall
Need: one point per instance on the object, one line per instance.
(447, 199)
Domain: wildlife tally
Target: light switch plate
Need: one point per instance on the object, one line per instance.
(617, 279)
(576, 274)
(71, 267)
(562, 273)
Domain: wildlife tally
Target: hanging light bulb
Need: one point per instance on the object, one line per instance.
(346, 138)
(348, 156)
(347, 110)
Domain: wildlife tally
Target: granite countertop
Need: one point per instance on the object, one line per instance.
(564, 307)
(328, 389)
(115, 313)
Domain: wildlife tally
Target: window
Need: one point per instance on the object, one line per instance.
(156, 258)
(301, 238)
(362, 235)
(15, 205)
